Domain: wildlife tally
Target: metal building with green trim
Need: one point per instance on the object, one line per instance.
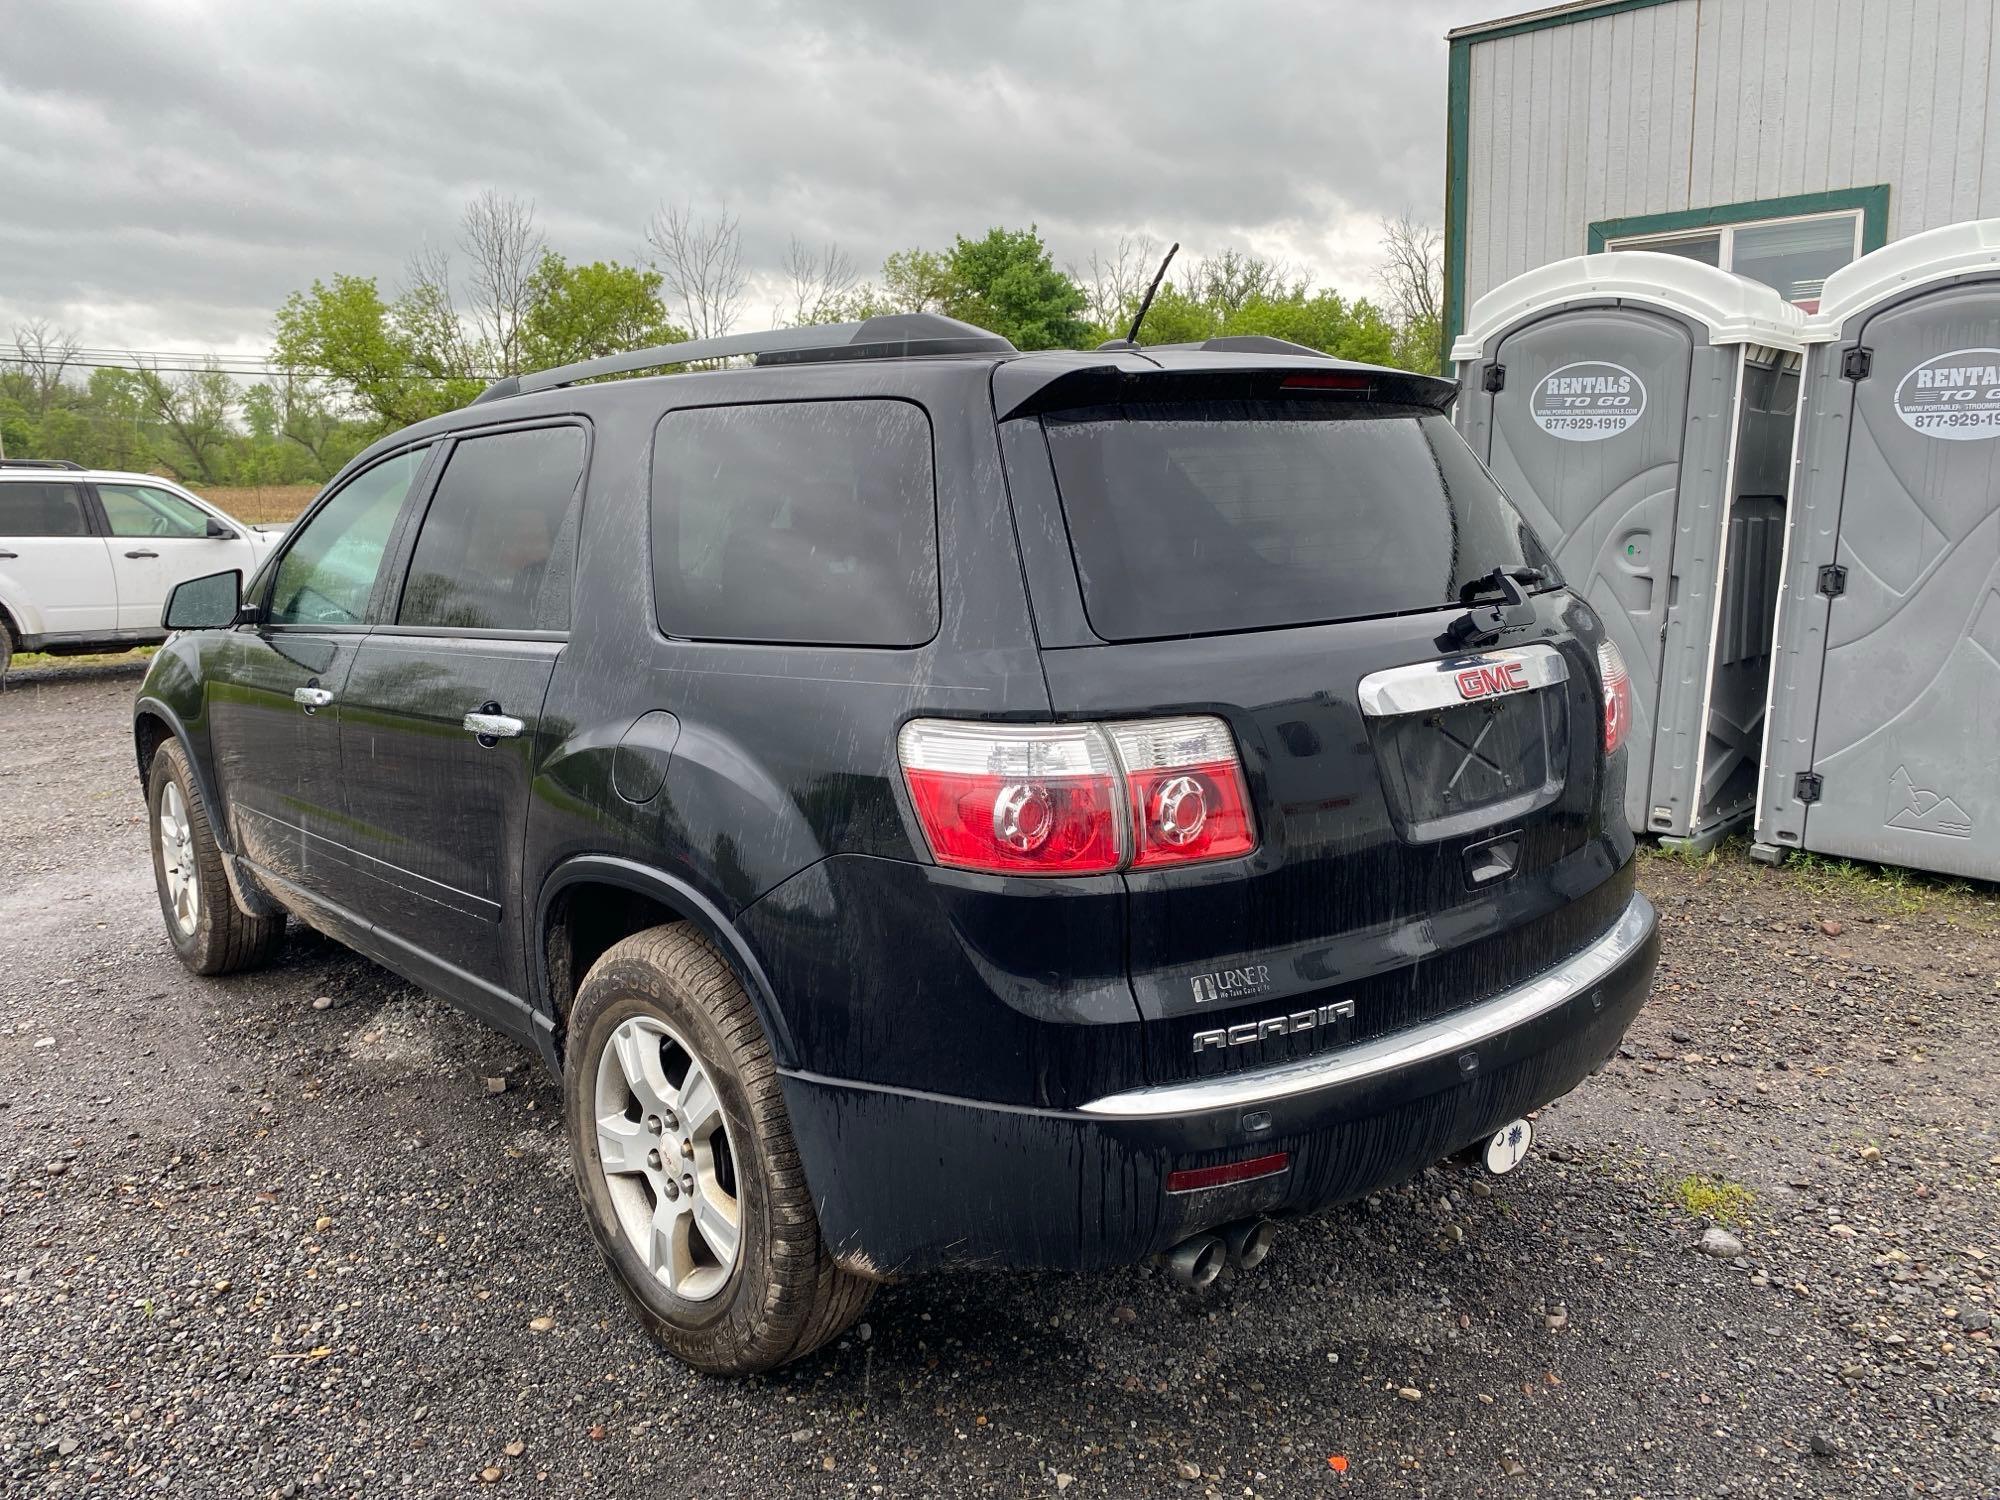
(1780, 139)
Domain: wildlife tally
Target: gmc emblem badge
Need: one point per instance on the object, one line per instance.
(1491, 680)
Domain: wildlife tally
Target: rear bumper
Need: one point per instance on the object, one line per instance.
(909, 1181)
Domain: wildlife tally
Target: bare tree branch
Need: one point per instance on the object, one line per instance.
(500, 238)
(822, 284)
(304, 412)
(701, 262)
(1412, 276)
(1412, 271)
(43, 353)
(1115, 283)
(195, 411)
(428, 310)
(1230, 280)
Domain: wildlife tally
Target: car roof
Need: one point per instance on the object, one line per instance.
(73, 475)
(867, 352)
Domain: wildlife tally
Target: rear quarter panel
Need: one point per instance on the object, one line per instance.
(785, 755)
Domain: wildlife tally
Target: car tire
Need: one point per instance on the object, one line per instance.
(6, 646)
(210, 933)
(666, 999)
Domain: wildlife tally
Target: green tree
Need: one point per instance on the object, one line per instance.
(191, 413)
(1176, 318)
(917, 281)
(396, 362)
(119, 437)
(1006, 282)
(588, 311)
(1324, 320)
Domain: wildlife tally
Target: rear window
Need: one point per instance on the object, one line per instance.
(497, 543)
(1207, 517)
(807, 521)
(32, 509)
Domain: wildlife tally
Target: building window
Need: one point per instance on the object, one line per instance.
(1794, 255)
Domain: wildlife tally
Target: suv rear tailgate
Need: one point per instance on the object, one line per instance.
(1245, 551)
(1339, 903)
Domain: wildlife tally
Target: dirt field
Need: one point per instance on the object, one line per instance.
(273, 1236)
(259, 502)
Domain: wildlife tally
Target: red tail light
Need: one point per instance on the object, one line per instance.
(1077, 799)
(1329, 380)
(1185, 785)
(1015, 799)
(1617, 695)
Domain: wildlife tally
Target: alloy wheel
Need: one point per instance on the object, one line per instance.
(177, 863)
(668, 1164)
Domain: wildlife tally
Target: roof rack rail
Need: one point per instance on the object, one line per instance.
(892, 336)
(41, 463)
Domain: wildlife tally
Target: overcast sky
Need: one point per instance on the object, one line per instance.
(169, 172)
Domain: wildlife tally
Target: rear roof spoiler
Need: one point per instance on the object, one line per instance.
(1032, 385)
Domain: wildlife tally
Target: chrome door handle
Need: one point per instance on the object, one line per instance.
(142, 554)
(493, 726)
(312, 697)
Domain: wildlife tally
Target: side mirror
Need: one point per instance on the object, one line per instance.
(216, 529)
(210, 603)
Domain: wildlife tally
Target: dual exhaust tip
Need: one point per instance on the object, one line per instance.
(1198, 1261)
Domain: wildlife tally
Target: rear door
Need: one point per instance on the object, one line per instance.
(1909, 700)
(441, 717)
(54, 570)
(1429, 819)
(1586, 438)
(159, 539)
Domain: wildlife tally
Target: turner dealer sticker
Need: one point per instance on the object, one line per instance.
(1955, 395)
(1588, 401)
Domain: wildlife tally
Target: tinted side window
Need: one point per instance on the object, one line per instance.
(499, 539)
(142, 510)
(329, 568)
(42, 510)
(811, 521)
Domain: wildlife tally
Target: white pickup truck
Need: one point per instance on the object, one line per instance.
(88, 556)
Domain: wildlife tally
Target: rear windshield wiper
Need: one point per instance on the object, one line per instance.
(1481, 625)
(1489, 583)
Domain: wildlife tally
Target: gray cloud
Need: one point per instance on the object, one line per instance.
(169, 174)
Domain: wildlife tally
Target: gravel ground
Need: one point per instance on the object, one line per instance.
(256, 1244)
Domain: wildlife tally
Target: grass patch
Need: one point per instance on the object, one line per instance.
(1890, 887)
(1681, 854)
(27, 661)
(1715, 1199)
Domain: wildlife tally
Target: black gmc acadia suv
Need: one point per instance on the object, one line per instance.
(932, 805)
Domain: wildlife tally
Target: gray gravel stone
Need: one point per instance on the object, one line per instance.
(210, 1132)
(1719, 1242)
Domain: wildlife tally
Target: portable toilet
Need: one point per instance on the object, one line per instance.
(1883, 738)
(1638, 409)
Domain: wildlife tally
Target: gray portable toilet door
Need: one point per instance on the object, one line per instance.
(1585, 436)
(1909, 700)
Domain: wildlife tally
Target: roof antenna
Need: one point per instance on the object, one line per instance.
(1146, 306)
